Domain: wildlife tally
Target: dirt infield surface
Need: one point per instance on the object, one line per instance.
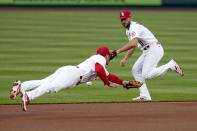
(165, 116)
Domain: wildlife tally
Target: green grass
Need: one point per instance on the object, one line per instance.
(34, 44)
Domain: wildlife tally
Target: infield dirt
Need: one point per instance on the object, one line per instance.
(164, 116)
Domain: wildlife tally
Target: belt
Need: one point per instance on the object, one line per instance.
(146, 47)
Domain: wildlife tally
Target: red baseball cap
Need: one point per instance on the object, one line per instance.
(125, 14)
(103, 50)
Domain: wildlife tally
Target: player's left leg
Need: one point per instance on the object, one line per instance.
(152, 58)
(30, 85)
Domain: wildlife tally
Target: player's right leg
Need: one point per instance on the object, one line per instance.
(137, 73)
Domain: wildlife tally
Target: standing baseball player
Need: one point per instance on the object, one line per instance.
(146, 65)
(68, 77)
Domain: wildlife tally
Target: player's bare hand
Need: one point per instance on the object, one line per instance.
(123, 62)
(124, 83)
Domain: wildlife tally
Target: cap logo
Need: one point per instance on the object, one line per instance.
(122, 13)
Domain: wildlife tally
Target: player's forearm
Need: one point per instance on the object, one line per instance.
(115, 79)
(129, 53)
(114, 85)
(131, 44)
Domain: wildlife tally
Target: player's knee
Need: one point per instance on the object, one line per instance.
(146, 75)
(51, 89)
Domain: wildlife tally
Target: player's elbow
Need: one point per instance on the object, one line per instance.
(132, 45)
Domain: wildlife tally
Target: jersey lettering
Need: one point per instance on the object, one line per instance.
(133, 34)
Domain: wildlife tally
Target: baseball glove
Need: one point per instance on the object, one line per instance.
(114, 54)
(133, 84)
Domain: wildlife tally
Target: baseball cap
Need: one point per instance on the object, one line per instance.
(103, 50)
(125, 14)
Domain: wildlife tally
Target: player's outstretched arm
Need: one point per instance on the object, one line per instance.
(129, 45)
(111, 80)
(114, 85)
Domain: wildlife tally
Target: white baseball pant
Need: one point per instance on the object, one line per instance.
(64, 77)
(146, 67)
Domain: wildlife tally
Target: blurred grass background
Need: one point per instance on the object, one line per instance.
(34, 44)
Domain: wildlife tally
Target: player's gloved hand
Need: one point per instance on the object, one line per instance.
(114, 54)
(132, 84)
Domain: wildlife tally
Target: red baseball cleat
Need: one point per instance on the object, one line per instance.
(175, 67)
(141, 98)
(25, 101)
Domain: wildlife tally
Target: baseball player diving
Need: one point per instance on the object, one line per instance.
(68, 77)
(146, 65)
